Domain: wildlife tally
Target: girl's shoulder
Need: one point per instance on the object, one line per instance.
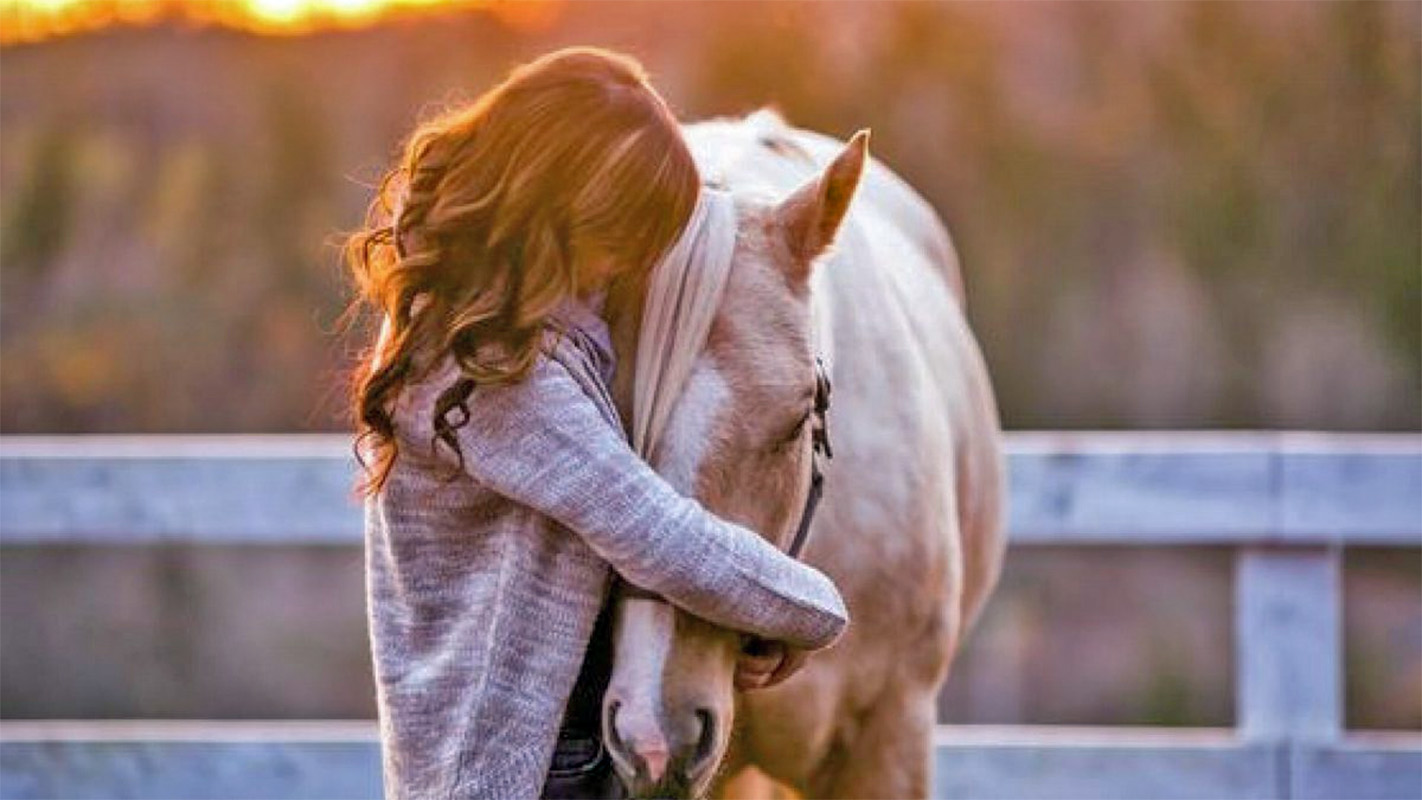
(570, 358)
(580, 322)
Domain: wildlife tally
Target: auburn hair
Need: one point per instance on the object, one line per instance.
(479, 231)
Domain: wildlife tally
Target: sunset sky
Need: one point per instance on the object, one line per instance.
(35, 20)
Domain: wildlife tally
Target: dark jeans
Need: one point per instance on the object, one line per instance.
(582, 768)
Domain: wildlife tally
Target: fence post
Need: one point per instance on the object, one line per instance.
(1288, 642)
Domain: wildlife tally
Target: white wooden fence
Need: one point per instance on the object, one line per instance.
(1287, 502)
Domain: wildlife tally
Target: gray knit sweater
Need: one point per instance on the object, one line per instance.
(483, 588)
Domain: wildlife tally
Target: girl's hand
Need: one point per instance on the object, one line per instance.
(764, 663)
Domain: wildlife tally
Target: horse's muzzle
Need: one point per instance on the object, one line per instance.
(661, 755)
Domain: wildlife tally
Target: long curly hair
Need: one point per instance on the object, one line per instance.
(497, 212)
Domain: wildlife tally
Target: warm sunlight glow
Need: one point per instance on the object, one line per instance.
(36, 20)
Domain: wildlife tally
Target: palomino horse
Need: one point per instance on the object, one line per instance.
(910, 526)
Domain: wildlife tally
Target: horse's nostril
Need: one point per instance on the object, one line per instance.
(706, 740)
(635, 740)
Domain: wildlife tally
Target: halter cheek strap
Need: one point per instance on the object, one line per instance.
(820, 451)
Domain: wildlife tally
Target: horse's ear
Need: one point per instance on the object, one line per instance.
(812, 214)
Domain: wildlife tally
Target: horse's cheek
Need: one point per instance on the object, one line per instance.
(760, 491)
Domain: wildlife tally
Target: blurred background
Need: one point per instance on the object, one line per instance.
(1170, 215)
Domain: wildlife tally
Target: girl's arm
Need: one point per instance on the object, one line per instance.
(544, 443)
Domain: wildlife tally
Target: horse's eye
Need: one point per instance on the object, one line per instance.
(792, 434)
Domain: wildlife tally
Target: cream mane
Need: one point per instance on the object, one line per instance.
(683, 295)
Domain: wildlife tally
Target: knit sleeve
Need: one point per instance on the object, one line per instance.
(542, 442)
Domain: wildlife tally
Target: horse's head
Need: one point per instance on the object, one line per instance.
(739, 441)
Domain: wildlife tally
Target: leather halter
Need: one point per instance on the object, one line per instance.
(820, 448)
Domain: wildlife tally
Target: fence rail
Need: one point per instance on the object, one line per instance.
(1066, 488)
(1287, 502)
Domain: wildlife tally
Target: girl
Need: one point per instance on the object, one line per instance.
(501, 493)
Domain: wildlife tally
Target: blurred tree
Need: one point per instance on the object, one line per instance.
(38, 219)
